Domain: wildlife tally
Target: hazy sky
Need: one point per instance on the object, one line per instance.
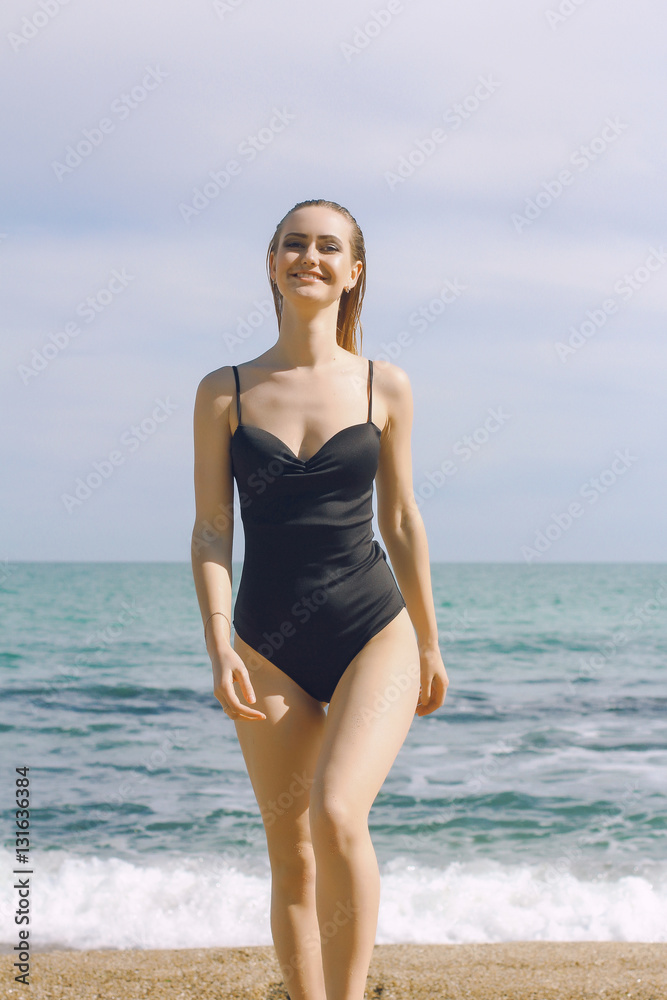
(506, 162)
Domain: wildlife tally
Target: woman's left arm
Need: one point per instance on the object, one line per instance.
(403, 531)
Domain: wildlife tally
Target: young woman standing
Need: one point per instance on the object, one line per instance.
(305, 429)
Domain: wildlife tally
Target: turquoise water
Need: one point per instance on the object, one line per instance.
(531, 805)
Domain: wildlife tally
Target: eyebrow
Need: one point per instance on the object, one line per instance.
(327, 236)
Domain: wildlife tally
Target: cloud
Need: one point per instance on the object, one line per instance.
(184, 91)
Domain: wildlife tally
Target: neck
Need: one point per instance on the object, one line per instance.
(307, 339)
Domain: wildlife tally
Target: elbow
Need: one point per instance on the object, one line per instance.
(211, 538)
(399, 519)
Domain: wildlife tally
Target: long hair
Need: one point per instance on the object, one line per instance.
(349, 309)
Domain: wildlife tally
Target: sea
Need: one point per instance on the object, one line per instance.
(531, 806)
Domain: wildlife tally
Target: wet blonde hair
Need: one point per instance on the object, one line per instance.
(349, 310)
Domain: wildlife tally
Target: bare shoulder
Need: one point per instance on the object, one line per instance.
(216, 382)
(216, 390)
(221, 382)
(395, 390)
(391, 379)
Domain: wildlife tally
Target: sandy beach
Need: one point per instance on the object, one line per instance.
(509, 971)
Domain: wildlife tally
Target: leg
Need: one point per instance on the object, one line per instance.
(369, 717)
(280, 753)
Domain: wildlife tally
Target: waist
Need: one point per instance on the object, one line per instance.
(306, 557)
(307, 542)
(277, 574)
(295, 511)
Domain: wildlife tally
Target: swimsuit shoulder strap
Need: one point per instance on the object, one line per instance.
(370, 389)
(238, 393)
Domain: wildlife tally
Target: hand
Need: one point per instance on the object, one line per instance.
(227, 668)
(434, 681)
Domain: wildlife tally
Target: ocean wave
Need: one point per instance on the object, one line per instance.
(87, 902)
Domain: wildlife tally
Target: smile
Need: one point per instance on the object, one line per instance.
(308, 276)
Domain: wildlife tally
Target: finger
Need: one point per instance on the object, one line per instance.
(436, 700)
(249, 713)
(426, 693)
(426, 698)
(237, 710)
(244, 713)
(232, 706)
(243, 679)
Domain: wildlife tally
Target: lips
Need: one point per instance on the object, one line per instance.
(307, 274)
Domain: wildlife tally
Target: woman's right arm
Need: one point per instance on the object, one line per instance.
(212, 538)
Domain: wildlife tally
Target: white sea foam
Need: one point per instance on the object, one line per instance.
(87, 902)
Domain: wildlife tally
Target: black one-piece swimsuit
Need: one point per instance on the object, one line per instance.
(315, 585)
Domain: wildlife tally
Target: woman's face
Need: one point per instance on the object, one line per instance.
(313, 259)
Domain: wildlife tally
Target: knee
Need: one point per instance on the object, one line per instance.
(292, 866)
(334, 824)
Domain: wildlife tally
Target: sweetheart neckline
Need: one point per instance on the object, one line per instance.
(307, 461)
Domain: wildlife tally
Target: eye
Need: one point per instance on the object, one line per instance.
(297, 243)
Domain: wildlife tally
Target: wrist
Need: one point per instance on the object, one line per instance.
(218, 626)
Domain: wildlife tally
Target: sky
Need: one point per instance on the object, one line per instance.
(506, 163)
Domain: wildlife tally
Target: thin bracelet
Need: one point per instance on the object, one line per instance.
(211, 616)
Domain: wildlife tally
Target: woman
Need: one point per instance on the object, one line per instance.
(319, 618)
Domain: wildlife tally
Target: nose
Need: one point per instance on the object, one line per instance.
(309, 254)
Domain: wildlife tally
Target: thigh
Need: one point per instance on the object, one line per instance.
(281, 751)
(369, 716)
